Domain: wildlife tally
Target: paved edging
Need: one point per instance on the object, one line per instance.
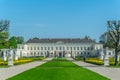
(111, 73)
(14, 70)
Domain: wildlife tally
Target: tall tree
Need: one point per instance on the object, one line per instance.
(4, 25)
(114, 33)
(4, 33)
(20, 39)
(13, 42)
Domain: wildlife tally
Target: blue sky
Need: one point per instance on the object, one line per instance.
(59, 18)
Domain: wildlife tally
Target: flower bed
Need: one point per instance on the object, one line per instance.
(21, 61)
(97, 62)
(100, 62)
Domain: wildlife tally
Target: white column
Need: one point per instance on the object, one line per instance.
(101, 55)
(16, 55)
(4, 56)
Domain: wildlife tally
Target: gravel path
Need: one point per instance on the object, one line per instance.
(14, 70)
(111, 73)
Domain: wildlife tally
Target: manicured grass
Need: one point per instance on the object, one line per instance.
(114, 66)
(58, 69)
(4, 66)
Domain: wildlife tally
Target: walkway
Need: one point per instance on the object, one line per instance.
(14, 70)
(111, 73)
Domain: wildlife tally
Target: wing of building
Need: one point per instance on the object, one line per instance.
(74, 47)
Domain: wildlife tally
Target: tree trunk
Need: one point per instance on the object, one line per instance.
(116, 60)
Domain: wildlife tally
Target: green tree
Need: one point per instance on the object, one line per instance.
(12, 42)
(20, 39)
(114, 33)
(4, 33)
(3, 40)
(87, 37)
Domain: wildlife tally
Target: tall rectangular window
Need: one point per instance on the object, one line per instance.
(41, 48)
(34, 48)
(38, 48)
(51, 48)
(31, 48)
(81, 48)
(27, 48)
(74, 48)
(60, 48)
(48, 48)
(88, 48)
(22, 47)
(56, 48)
(44, 48)
(84, 48)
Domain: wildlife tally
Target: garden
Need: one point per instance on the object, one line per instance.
(20, 61)
(58, 69)
(97, 61)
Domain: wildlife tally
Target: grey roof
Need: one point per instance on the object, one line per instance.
(64, 40)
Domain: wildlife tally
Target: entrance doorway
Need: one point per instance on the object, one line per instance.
(60, 54)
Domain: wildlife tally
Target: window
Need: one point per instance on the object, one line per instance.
(38, 48)
(28, 48)
(44, 48)
(109, 53)
(77, 48)
(51, 48)
(81, 48)
(48, 48)
(31, 48)
(88, 48)
(85, 53)
(34, 53)
(19, 47)
(34, 48)
(38, 53)
(71, 48)
(84, 48)
(88, 53)
(67, 48)
(56, 48)
(74, 48)
(31, 53)
(60, 48)
(41, 53)
(41, 48)
(81, 53)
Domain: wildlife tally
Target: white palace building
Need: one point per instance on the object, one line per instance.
(60, 47)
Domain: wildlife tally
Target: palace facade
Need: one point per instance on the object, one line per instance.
(74, 47)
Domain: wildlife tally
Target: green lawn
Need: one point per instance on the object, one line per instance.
(114, 66)
(58, 69)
